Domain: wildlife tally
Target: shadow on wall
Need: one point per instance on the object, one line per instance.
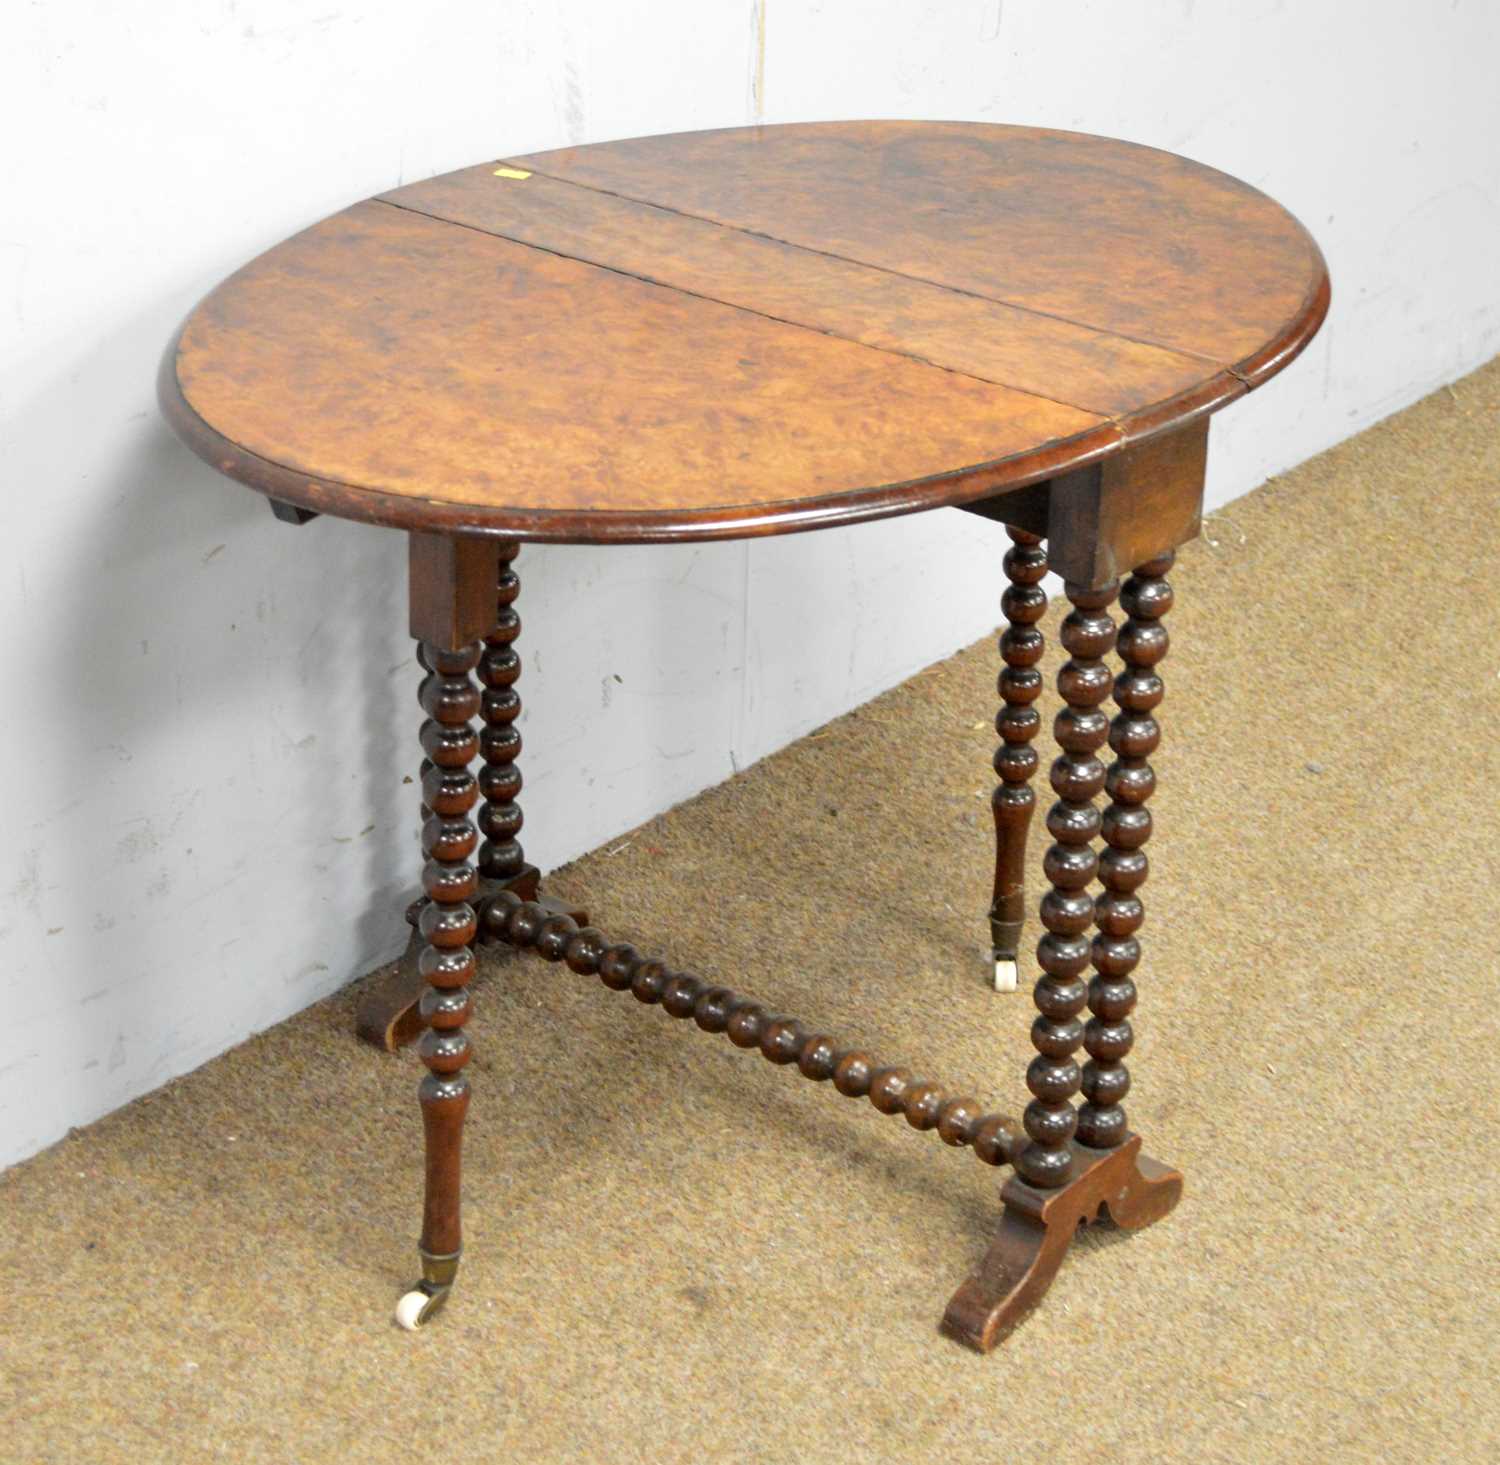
(220, 823)
(229, 821)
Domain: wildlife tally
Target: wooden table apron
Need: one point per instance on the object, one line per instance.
(760, 331)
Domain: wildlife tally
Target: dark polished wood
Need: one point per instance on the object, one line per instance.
(668, 338)
(1020, 684)
(389, 1012)
(452, 588)
(448, 925)
(1038, 1226)
(500, 820)
(751, 1024)
(1108, 517)
(1195, 261)
(790, 279)
(1133, 737)
(1077, 777)
(1103, 519)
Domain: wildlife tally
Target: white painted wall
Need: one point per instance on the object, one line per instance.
(209, 716)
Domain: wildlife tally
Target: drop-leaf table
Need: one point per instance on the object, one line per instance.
(761, 331)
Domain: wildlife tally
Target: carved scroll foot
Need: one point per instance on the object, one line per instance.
(387, 1015)
(1038, 1227)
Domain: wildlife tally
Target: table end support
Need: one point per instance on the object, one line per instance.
(387, 1016)
(1038, 1227)
(462, 590)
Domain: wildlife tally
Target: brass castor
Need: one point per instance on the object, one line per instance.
(425, 1299)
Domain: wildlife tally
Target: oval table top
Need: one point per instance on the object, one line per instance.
(748, 331)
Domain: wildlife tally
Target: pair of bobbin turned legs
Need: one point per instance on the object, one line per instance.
(1068, 911)
(1072, 1164)
(448, 922)
(1079, 1161)
(455, 894)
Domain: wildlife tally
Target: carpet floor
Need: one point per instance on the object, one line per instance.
(677, 1251)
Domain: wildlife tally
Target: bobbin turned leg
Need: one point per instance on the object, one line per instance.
(389, 1013)
(1077, 776)
(448, 926)
(1118, 912)
(500, 856)
(1061, 1183)
(1021, 647)
(452, 587)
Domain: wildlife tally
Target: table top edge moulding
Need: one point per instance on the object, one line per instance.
(486, 354)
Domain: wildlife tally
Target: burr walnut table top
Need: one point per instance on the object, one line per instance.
(741, 332)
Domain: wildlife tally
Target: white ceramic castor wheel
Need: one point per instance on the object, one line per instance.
(414, 1308)
(1007, 974)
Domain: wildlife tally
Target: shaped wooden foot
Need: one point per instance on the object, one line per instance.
(387, 1016)
(1038, 1227)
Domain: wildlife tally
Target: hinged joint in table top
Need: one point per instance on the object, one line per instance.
(748, 331)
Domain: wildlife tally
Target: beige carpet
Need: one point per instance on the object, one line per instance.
(679, 1252)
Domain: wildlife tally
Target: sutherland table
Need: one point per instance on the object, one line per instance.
(764, 331)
